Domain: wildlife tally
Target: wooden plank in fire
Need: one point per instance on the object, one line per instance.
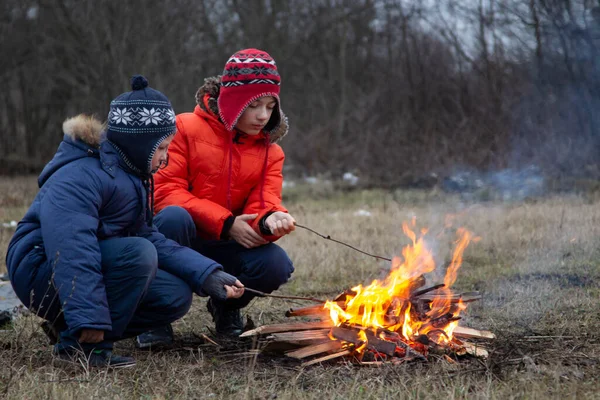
(373, 342)
(298, 326)
(312, 310)
(465, 332)
(307, 351)
(299, 336)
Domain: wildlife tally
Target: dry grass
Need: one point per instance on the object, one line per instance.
(537, 263)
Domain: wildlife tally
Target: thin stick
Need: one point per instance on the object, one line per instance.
(263, 294)
(209, 340)
(342, 243)
(326, 358)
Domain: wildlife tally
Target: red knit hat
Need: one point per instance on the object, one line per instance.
(249, 75)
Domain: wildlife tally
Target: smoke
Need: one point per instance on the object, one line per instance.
(504, 185)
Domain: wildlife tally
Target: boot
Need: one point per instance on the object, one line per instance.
(155, 338)
(93, 359)
(228, 321)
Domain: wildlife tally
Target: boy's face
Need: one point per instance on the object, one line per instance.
(256, 116)
(161, 154)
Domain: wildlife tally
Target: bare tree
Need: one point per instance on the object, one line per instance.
(396, 89)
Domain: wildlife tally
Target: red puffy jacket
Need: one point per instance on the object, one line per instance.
(214, 173)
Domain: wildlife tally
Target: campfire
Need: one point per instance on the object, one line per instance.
(394, 320)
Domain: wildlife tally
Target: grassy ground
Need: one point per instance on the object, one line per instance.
(537, 264)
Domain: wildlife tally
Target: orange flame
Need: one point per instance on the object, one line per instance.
(385, 304)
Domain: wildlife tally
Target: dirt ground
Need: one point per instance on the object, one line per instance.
(537, 264)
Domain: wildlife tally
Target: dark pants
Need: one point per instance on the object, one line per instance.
(263, 268)
(140, 295)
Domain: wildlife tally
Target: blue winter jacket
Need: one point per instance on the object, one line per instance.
(87, 196)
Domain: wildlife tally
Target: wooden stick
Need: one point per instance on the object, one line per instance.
(342, 243)
(302, 326)
(332, 345)
(371, 363)
(326, 358)
(263, 294)
(209, 340)
(453, 298)
(427, 290)
(465, 332)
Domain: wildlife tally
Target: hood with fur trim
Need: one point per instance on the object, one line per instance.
(211, 88)
(82, 137)
(85, 128)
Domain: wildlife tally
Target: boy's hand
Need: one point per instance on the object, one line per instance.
(91, 336)
(235, 291)
(222, 286)
(280, 223)
(243, 233)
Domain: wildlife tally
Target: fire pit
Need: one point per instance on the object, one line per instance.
(393, 320)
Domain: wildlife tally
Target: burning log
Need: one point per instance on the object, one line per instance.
(442, 321)
(352, 335)
(416, 283)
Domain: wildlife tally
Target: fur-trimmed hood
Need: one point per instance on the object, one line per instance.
(82, 137)
(211, 88)
(85, 128)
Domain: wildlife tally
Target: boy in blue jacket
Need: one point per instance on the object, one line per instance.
(87, 257)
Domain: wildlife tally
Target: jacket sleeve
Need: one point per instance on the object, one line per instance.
(183, 262)
(172, 188)
(271, 191)
(69, 221)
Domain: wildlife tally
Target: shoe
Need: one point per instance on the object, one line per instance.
(94, 359)
(228, 321)
(158, 337)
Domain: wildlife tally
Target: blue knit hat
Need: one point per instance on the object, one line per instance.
(138, 122)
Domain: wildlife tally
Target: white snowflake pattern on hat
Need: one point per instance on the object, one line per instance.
(170, 115)
(121, 116)
(150, 116)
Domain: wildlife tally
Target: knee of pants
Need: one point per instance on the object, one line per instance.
(277, 268)
(141, 257)
(176, 223)
(181, 301)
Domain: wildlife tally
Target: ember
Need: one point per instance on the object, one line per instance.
(391, 320)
